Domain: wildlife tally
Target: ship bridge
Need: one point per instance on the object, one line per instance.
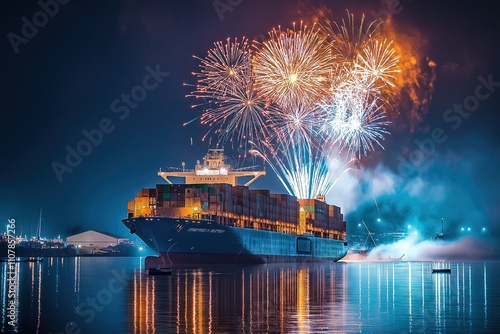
(213, 170)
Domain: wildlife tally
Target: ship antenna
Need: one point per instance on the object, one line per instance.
(369, 234)
(39, 227)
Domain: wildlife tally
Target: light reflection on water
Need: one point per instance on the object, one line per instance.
(352, 297)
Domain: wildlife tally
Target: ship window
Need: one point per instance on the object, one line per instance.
(303, 245)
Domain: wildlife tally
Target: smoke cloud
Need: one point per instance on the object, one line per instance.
(452, 186)
(412, 248)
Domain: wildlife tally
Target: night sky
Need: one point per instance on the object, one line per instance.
(67, 78)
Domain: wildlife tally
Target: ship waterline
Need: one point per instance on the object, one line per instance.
(183, 241)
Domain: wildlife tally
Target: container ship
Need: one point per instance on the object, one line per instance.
(211, 219)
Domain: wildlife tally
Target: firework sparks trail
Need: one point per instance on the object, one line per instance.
(376, 204)
(302, 174)
(293, 165)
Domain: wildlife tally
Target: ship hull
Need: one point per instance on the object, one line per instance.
(180, 241)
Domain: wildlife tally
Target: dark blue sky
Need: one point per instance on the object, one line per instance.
(64, 78)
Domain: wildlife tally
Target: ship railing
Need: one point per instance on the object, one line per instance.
(177, 169)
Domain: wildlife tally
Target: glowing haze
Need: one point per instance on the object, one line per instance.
(307, 100)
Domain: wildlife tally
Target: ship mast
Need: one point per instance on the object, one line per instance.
(39, 227)
(369, 235)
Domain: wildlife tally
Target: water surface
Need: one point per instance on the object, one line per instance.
(103, 295)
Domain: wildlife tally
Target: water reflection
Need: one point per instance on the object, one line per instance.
(224, 299)
(354, 297)
(333, 297)
(46, 293)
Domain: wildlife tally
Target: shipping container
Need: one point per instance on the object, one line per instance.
(244, 207)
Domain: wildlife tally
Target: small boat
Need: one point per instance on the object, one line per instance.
(441, 270)
(160, 271)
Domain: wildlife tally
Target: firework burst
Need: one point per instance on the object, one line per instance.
(363, 59)
(355, 122)
(377, 65)
(348, 38)
(292, 66)
(297, 123)
(225, 69)
(239, 116)
(302, 98)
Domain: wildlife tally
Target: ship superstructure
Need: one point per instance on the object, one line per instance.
(213, 170)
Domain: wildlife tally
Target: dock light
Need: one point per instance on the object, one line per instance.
(409, 226)
(484, 229)
(468, 228)
(359, 224)
(415, 232)
(462, 229)
(378, 219)
(141, 248)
